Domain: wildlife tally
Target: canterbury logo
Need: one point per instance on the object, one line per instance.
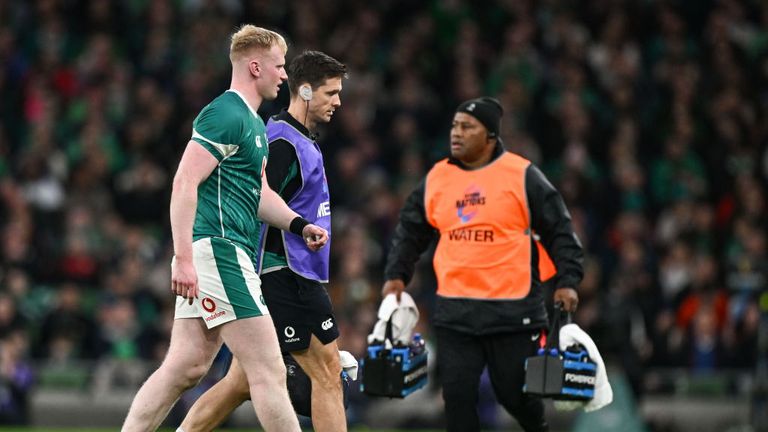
(327, 324)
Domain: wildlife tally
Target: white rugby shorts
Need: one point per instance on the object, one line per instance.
(229, 287)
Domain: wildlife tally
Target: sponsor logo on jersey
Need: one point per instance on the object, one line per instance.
(263, 167)
(258, 141)
(324, 209)
(468, 206)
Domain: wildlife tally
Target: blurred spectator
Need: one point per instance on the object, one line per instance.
(704, 352)
(67, 332)
(118, 330)
(10, 318)
(16, 378)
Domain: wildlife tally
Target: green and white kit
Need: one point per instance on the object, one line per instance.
(226, 230)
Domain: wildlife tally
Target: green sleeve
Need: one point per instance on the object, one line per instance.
(218, 130)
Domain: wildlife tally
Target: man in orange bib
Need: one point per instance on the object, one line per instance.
(498, 220)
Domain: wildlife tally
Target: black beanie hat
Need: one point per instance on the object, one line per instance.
(487, 110)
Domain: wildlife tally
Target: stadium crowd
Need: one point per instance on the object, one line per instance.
(649, 116)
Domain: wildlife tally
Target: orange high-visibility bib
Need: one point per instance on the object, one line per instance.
(484, 250)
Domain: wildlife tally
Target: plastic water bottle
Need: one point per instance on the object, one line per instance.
(417, 345)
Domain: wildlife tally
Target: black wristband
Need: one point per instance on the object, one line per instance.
(297, 225)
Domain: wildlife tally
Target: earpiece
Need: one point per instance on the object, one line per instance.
(305, 92)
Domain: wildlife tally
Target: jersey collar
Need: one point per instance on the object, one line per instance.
(250, 108)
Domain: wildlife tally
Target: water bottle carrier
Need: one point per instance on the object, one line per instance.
(560, 375)
(394, 372)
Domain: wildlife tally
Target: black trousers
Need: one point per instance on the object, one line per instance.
(461, 358)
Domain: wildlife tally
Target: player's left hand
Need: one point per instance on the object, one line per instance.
(314, 236)
(568, 297)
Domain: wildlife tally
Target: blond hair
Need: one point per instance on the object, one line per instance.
(249, 37)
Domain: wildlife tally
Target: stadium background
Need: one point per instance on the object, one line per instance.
(649, 116)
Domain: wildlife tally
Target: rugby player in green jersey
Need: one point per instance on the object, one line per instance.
(219, 190)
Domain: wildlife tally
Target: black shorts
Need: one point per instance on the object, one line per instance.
(299, 307)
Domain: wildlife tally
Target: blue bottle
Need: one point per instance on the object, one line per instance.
(417, 344)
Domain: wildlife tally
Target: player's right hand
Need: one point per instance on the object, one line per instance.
(393, 286)
(184, 279)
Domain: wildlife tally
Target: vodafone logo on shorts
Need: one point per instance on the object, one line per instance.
(289, 333)
(208, 304)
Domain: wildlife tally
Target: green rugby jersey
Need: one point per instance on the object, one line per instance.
(228, 200)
